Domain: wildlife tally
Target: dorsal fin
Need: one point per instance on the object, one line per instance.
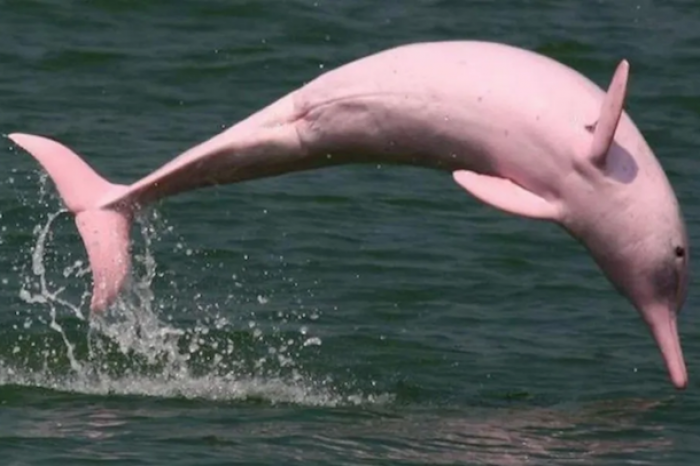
(610, 112)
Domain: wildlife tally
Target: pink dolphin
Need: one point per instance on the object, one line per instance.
(519, 131)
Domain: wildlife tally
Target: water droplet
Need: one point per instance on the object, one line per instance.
(313, 341)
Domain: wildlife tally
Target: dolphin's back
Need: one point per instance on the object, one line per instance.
(498, 99)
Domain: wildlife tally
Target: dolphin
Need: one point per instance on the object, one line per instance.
(518, 130)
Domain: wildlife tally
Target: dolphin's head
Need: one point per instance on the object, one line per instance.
(639, 240)
(633, 225)
(658, 288)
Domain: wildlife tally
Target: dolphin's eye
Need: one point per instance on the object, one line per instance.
(680, 251)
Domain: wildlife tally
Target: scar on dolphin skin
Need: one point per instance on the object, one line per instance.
(591, 128)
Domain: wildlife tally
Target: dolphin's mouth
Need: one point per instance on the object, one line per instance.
(664, 328)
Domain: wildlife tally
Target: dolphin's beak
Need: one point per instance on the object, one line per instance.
(665, 331)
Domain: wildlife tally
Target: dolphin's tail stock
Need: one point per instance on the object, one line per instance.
(105, 231)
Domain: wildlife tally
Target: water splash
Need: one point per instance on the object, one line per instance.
(133, 350)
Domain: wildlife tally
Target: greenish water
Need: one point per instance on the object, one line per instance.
(355, 315)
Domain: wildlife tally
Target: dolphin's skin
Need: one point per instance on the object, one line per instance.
(517, 130)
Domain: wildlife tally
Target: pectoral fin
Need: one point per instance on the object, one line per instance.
(610, 113)
(505, 195)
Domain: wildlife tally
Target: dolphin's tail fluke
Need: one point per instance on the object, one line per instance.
(105, 231)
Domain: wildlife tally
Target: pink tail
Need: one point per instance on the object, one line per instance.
(105, 231)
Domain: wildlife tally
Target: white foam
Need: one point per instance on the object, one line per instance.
(133, 351)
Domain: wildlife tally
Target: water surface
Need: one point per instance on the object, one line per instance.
(352, 315)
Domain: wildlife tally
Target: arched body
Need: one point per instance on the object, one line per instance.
(518, 130)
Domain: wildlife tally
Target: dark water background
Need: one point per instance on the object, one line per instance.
(355, 315)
